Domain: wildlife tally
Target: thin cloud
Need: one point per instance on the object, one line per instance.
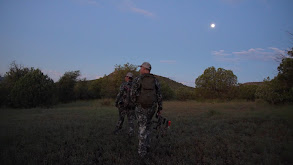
(127, 5)
(239, 2)
(141, 11)
(260, 54)
(168, 61)
(249, 51)
(89, 2)
(220, 53)
(257, 54)
(278, 50)
(223, 56)
(232, 1)
(131, 7)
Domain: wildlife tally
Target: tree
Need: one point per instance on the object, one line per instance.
(15, 73)
(286, 70)
(32, 90)
(272, 92)
(247, 92)
(184, 94)
(216, 83)
(290, 52)
(279, 89)
(81, 90)
(3, 94)
(94, 89)
(120, 72)
(110, 84)
(167, 92)
(65, 86)
(107, 85)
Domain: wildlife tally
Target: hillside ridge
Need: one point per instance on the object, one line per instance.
(172, 83)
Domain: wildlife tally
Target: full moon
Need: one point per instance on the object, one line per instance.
(213, 25)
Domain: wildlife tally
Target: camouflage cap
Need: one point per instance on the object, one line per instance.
(129, 74)
(146, 65)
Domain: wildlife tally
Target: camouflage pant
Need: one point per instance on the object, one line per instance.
(144, 117)
(130, 116)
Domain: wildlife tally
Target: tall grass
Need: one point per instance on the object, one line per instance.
(201, 133)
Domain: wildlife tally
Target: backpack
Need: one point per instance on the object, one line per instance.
(147, 95)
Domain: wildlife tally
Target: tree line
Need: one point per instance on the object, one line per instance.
(23, 87)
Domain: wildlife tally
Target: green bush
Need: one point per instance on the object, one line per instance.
(217, 83)
(65, 86)
(119, 74)
(109, 85)
(273, 92)
(15, 73)
(247, 92)
(94, 89)
(167, 92)
(108, 89)
(279, 89)
(184, 94)
(32, 90)
(286, 71)
(81, 90)
(4, 92)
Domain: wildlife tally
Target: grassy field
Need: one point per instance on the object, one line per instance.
(201, 133)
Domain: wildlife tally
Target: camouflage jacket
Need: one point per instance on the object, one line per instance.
(136, 88)
(123, 97)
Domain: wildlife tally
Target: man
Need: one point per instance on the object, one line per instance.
(146, 94)
(125, 105)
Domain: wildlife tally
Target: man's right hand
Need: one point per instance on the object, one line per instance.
(159, 109)
(158, 114)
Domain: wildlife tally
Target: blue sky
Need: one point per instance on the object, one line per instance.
(174, 36)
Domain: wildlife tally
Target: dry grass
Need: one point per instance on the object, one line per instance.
(201, 133)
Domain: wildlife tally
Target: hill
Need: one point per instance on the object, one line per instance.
(172, 84)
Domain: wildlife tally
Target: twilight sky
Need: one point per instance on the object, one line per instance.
(175, 36)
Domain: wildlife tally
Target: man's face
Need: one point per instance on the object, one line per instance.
(141, 71)
(126, 78)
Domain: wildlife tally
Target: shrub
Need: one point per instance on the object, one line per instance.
(216, 83)
(94, 89)
(3, 94)
(120, 72)
(81, 90)
(273, 92)
(247, 92)
(15, 73)
(65, 86)
(184, 94)
(32, 90)
(167, 92)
